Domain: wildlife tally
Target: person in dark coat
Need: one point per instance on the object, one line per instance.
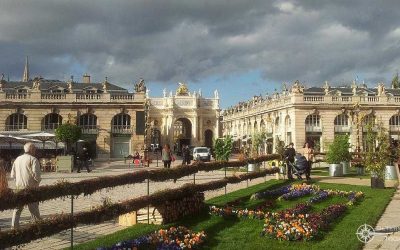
(185, 155)
(289, 155)
(83, 160)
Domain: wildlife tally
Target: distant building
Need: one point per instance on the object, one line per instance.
(111, 118)
(314, 115)
(184, 118)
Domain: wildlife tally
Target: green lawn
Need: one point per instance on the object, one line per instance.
(233, 233)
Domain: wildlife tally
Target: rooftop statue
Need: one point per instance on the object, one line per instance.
(182, 89)
(36, 83)
(140, 87)
(297, 88)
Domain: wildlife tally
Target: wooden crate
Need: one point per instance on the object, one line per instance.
(128, 219)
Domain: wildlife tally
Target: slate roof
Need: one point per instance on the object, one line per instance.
(47, 85)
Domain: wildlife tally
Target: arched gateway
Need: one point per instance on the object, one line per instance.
(185, 118)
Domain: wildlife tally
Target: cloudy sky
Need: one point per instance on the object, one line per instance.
(242, 48)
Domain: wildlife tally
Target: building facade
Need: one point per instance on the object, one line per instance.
(314, 115)
(111, 118)
(184, 118)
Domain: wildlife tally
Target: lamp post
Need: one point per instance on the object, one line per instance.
(146, 130)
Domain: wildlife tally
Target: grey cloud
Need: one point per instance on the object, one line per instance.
(170, 41)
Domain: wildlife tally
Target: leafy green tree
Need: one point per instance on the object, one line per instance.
(223, 148)
(395, 81)
(378, 151)
(258, 139)
(339, 150)
(68, 133)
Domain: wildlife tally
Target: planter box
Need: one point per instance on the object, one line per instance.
(65, 163)
(335, 170)
(253, 167)
(390, 173)
(128, 219)
(346, 167)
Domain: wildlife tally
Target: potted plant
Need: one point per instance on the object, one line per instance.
(333, 157)
(377, 154)
(390, 169)
(258, 139)
(67, 133)
(345, 153)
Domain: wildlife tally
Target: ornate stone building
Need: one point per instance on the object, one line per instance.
(111, 118)
(315, 115)
(184, 118)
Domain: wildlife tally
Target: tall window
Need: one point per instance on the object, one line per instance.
(369, 119)
(394, 120)
(313, 120)
(122, 121)
(342, 120)
(51, 121)
(16, 121)
(88, 120)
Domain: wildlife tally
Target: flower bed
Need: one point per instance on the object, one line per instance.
(299, 190)
(174, 238)
(295, 227)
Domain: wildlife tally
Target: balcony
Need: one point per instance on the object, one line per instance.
(342, 129)
(50, 127)
(17, 96)
(89, 129)
(16, 127)
(121, 129)
(311, 129)
(394, 128)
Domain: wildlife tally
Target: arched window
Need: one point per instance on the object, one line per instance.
(369, 119)
(51, 121)
(313, 120)
(121, 124)
(262, 126)
(341, 120)
(88, 123)
(394, 120)
(288, 122)
(16, 121)
(255, 127)
(88, 120)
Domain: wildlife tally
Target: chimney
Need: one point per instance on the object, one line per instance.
(86, 78)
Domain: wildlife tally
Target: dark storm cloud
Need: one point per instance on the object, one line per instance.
(170, 41)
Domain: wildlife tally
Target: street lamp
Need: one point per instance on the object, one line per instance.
(146, 130)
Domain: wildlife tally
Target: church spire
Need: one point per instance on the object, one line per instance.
(25, 77)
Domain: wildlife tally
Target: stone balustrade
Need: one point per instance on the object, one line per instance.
(70, 97)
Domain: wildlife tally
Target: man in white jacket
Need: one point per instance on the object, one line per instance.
(26, 171)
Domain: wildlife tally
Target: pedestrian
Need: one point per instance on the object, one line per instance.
(289, 155)
(83, 160)
(26, 171)
(186, 155)
(167, 156)
(308, 152)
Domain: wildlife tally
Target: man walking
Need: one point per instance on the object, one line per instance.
(26, 171)
(83, 160)
(185, 155)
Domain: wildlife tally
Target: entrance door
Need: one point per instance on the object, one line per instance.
(120, 147)
(208, 138)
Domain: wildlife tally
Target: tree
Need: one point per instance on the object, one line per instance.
(395, 81)
(258, 139)
(68, 133)
(223, 148)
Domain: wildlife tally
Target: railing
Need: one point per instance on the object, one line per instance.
(17, 96)
(310, 128)
(129, 97)
(342, 128)
(394, 128)
(54, 96)
(89, 129)
(121, 129)
(313, 98)
(370, 99)
(16, 127)
(88, 96)
(50, 126)
(342, 98)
